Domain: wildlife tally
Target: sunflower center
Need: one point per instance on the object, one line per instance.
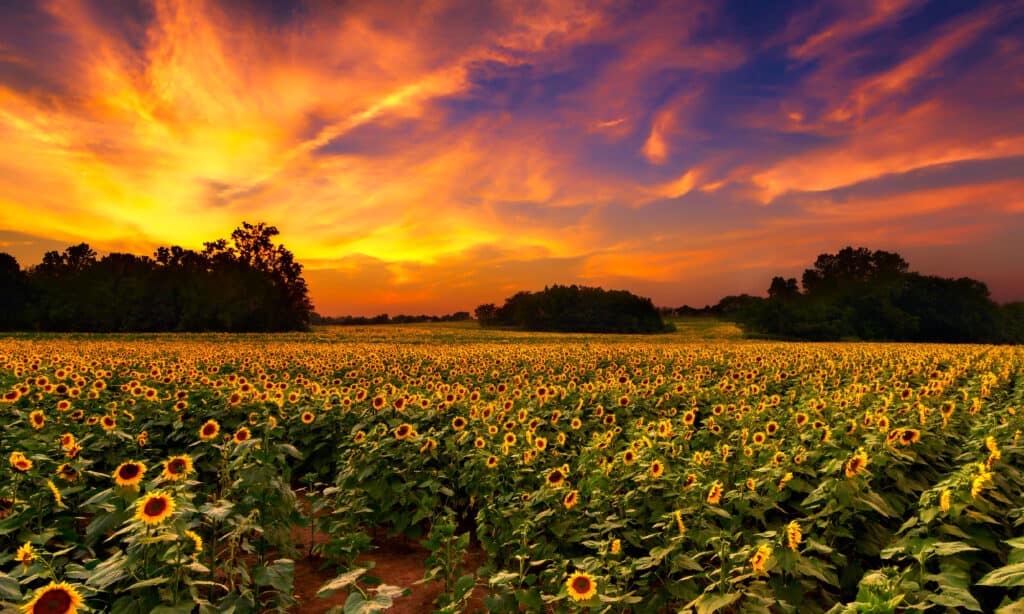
(155, 506)
(581, 584)
(129, 471)
(53, 602)
(176, 466)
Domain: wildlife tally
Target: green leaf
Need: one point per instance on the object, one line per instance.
(1017, 607)
(708, 603)
(290, 450)
(108, 572)
(877, 503)
(1010, 575)
(9, 588)
(340, 582)
(955, 597)
(145, 584)
(218, 511)
(280, 574)
(179, 608)
(950, 548)
(463, 586)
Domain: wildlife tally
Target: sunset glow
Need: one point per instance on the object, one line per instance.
(428, 157)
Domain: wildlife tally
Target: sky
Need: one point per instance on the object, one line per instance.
(427, 157)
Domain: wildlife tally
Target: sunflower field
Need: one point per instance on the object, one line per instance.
(172, 474)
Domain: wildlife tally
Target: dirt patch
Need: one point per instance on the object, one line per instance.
(398, 562)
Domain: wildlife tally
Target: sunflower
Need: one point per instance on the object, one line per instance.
(209, 430)
(404, 431)
(571, 499)
(801, 419)
(944, 500)
(856, 463)
(19, 461)
(715, 493)
(540, 443)
(758, 438)
(57, 499)
(771, 427)
(66, 441)
(242, 435)
(25, 554)
(909, 436)
(657, 469)
(575, 424)
(616, 546)
(154, 508)
(177, 468)
(629, 457)
(556, 477)
(307, 417)
(38, 419)
(458, 423)
(108, 423)
(510, 439)
(129, 474)
(480, 443)
(581, 586)
(760, 559)
(54, 598)
(793, 535)
(67, 472)
(195, 541)
(492, 461)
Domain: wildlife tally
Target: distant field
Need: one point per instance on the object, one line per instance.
(513, 471)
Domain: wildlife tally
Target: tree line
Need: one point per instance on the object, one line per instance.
(872, 295)
(574, 309)
(458, 316)
(245, 283)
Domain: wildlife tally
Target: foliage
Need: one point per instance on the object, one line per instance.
(860, 294)
(458, 316)
(245, 284)
(666, 474)
(575, 309)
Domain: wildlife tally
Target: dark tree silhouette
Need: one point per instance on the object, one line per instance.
(245, 284)
(575, 309)
(857, 293)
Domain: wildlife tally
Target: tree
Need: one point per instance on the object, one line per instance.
(575, 309)
(848, 265)
(783, 289)
(14, 293)
(857, 293)
(245, 284)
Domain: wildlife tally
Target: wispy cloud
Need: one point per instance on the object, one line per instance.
(432, 156)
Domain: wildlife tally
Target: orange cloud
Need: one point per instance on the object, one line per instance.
(428, 157)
